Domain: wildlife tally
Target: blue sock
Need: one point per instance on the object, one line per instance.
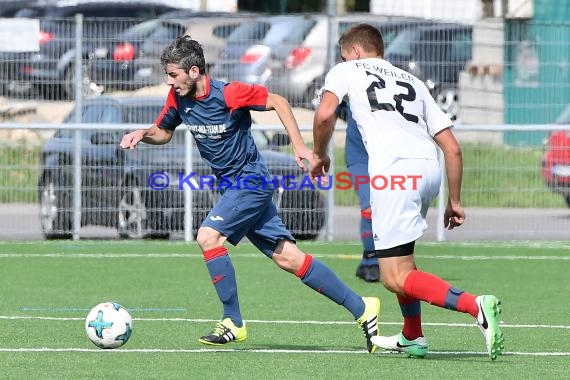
(367, 240)
(223, 277)
(321, 278)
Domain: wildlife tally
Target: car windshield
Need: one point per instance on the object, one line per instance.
(461, 46)
(289, 30)
(29, 12)
(139, 30)
(250, 32)
(402, 44)
(111, 114)
(141, 114)
(166, 32)
(298, 30)
(137, 114)
(97, 114)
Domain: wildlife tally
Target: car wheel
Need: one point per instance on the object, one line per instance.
(132, 213)
(19, 88)
(567, 199)
(447, 98)
(55, 209)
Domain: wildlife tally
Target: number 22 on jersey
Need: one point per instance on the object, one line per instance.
(408, 94)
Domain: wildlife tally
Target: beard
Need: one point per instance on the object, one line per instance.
(192, 88)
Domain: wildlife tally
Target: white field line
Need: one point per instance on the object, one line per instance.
(262, 351)
(283, 351)
(259, 255)
(286, 322)
(515, 244)
(512, 244)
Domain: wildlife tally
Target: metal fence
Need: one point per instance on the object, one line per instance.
(508, 192)
(489, 77)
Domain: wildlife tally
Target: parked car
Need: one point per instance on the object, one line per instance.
(390, 27)
(132, 58)
(288, 54)
(114, 189)
(52, 67)
(259, 46)
(556, 158)
(435, 54)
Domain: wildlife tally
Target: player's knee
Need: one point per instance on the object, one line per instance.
(209, 238)
(392, 283)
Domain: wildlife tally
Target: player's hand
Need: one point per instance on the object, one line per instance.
(130, 140)
(320, 168)
(304, 153)
(454, 216)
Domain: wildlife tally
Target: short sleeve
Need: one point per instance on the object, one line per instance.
(169, 117)
(336, 81)
(243, 95)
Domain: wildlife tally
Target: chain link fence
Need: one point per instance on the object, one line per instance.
(58, 179)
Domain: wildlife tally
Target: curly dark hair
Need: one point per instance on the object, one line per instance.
(186, 52)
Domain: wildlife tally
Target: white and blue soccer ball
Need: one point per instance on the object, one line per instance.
(109, 325)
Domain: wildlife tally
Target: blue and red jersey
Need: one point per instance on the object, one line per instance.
(220, 122)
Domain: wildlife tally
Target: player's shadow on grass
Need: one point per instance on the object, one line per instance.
(454, 355)
(441, 355)
(300, 347)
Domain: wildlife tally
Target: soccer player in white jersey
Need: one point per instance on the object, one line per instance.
(399, 122)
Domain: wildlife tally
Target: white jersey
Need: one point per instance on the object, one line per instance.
(394, 110)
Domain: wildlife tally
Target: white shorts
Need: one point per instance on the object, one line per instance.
(400, 197)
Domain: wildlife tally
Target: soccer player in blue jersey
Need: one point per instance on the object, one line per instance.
(356, 159)
(218, 115)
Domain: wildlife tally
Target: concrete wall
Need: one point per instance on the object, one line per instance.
(481, 83)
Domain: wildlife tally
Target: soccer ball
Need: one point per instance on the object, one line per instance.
(109, 325)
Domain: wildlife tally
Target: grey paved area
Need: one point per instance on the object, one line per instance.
(21, 222)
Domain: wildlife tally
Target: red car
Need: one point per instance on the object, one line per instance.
(556, 159)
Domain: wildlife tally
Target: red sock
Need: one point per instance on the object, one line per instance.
(430, 288)
(411, 312)
(466, 304)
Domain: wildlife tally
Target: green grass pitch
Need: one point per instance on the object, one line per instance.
(47, 288)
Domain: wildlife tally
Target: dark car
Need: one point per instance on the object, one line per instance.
(131, 59)
(556, 158)
(52, 67)
(11, 8)
(114, 183)
(435, 54)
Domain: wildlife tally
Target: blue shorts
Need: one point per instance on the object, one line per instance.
(363, 192)
(249, 213)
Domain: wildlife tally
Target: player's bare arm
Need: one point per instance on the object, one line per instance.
(282, 107)
(323, 127)
(454, 215)
(153, 135)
